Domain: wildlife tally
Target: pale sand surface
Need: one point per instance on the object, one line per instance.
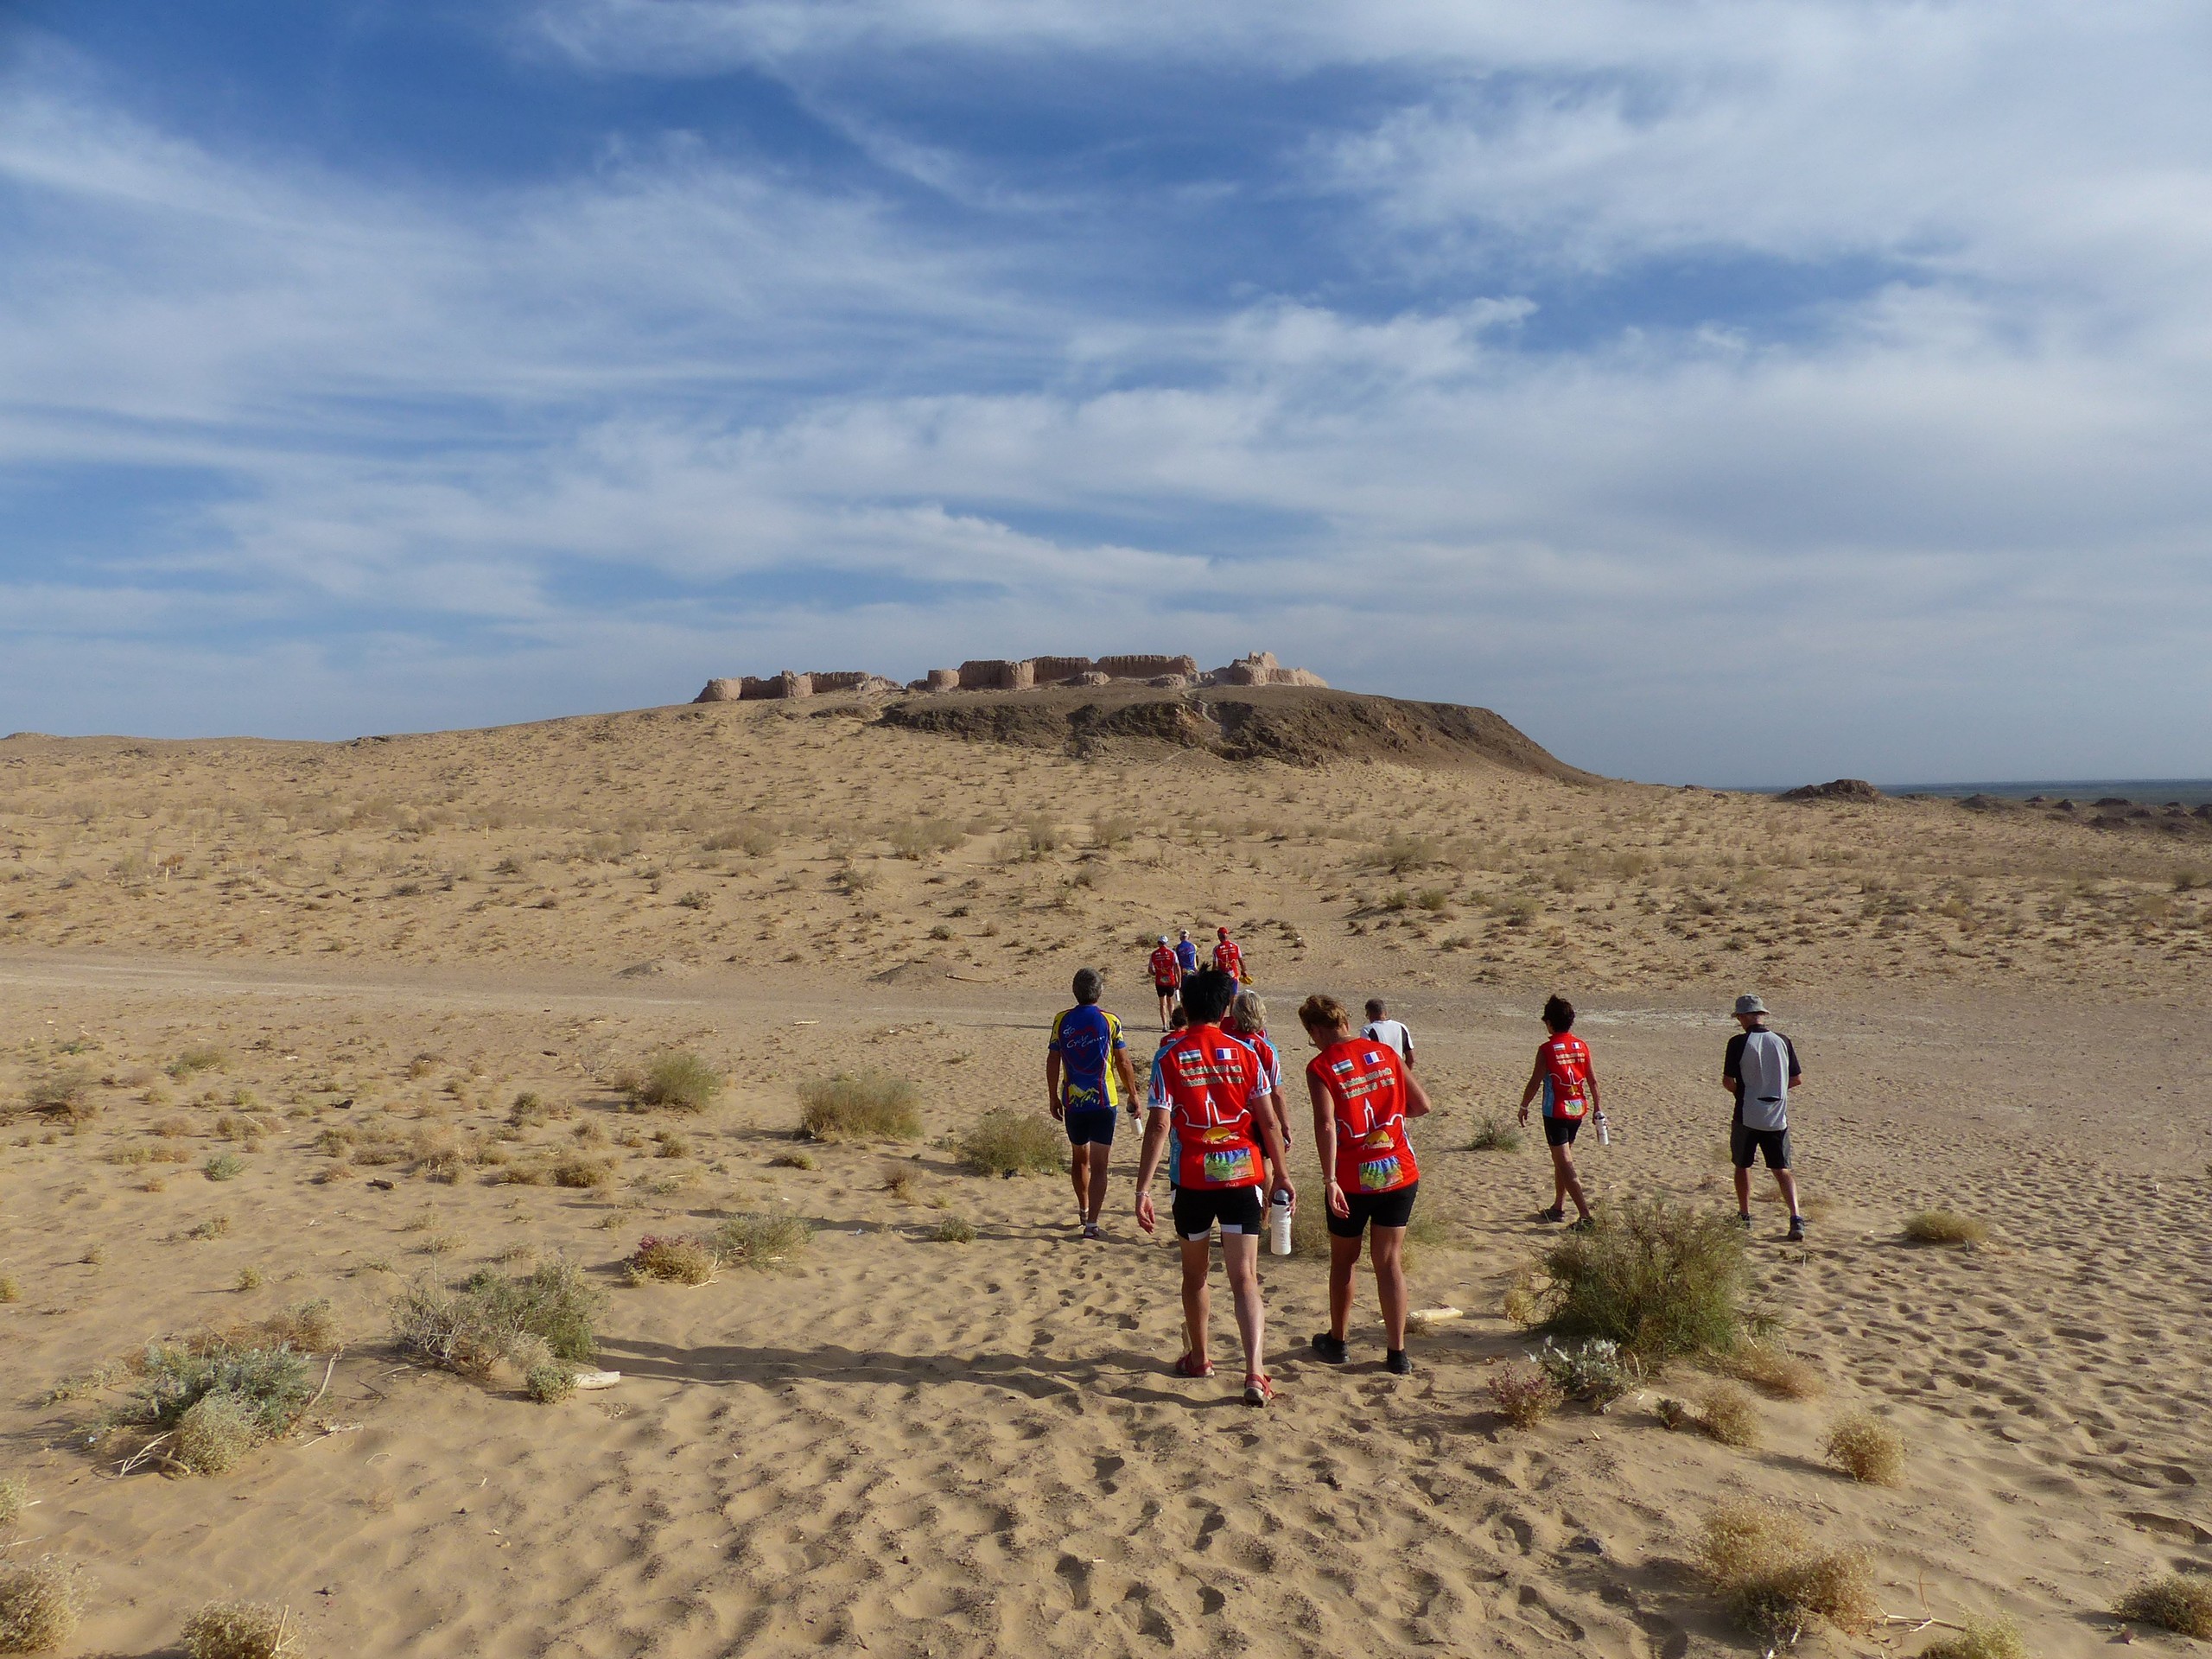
(944, 1449)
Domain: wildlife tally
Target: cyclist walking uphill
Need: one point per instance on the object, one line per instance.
(1186, 954)
(1229, 957)
(1215, 1099)
(1760, 1070)
(1166, 970)
(1362, 1095)
(1085, 1063)
(1569, 1082)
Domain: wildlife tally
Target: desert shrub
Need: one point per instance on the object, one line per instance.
(749, 837)
(675, 1261)
(1727, 1414)
(1772, 1371)
(669, 1144)
(214, 1434)
(1435, 900)
(550, 1383)
(2179, 1602)
(311, 1327)
(575, 1170)
(1594, 1371)
(1981, 1639)
(901, 1185)
(760, 1241)
(1400, 854)
(10, 1289)
(860, 1106)
(63, 1096)
(40, 1605)
(1110, 830)
(679, 1080)
(530, 1111)
(494, 1319)
(954, 1230)
(792, 1161)
(918, 837)
(193, 1061)
(223, 1166)
(272, 1384)
(1493, 1133)
(15, 1498)
(1006, 1141)
(239, 1630)
(1523, 1394)
(1944, 1227)
(1865, 1448)
(1760, 1562)
(1657, 1278)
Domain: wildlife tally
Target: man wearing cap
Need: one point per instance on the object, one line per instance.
(1229, 958)
(1166, 978)
(1760, 1070)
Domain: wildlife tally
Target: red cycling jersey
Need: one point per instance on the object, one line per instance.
(1367, 1088)
(1211, 1081)
(1566, 1060)
(1166, 971)
(1229, 958)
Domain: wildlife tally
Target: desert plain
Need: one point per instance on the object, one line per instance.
(283, 1023)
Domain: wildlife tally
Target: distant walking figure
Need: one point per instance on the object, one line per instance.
(1760, 1070)
(1166, 978)
(1564, 1073)
(1229, 959)
(1186, 954)
(1084, 1063)
(1381, 1028)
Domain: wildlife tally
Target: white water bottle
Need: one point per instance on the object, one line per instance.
(1279, 1223)
(1605, 1132)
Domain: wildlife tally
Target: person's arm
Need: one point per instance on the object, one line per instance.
(1325, 1144)
(1732, 1064)
(1271, 1142)
(1155, 1141)
(1535, 1082)
(1127, 1073)
(1282, 1115)
(1590, 1066)
(1796, 1076)
(1416, 1097)
(1407, 1056)
(1054, 1104)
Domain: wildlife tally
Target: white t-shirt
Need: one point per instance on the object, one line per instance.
(1390, 1032)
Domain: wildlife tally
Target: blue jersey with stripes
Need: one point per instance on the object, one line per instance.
(1086, 1039)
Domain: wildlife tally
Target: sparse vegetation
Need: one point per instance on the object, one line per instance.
(679, 1080)
(1865, 1448)
(1493, 1133)
(760, 1241)
(1007, 1140)
(1760, 1562)
(1771, 1371)
(1981, 1639)
(549, 1313)
(860, 1106)
(792, 1161)
(223, 1166)
(575, 1170)
(1401, 854)
(63, 1096)
(217, 1396)
(10, 1289)
(41, 1603)
(2180, 1602)
(953, 1230)
(1726, 1413)
(899, 1184)
(1945, 1226)
(550, 1383)
(1523, 1394)
(675, 1260)
(193, 1061)
(1659, 1279)
(239, 1630)
(15, 1498)
(1594, 1371)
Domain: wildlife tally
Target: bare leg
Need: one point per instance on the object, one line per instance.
(1197, 1256)
(1100, 1152)
(1343, 1258)
(1389, 1253)
(1744, 1190)
(1079, 1172)
(1240, 1254)
(1570, 1181)
(1788, 1182)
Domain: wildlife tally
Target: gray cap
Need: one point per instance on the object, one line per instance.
(1748, 1004)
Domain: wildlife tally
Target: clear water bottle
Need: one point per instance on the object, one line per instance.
(1279, 1223)
(1604, 1130)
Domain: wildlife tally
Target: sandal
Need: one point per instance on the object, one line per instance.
(1188, 1366)
(1259, 1389)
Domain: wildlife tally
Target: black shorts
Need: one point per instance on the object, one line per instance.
(1744, 1144)
(1392, 1208)
(1165, 990)
(1089, 1125)
(1238, 1209)
(1560, 1131)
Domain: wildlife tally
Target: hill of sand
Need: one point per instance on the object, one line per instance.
(341, 964)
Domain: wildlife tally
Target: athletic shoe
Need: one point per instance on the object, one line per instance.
(1330, 1348)
(1557, 1212)
(1797, 1230)
(1586, 1224)
(1397, 1362)
(1743, 1221)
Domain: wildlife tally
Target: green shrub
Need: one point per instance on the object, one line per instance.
(1594, 1371)
(494, 1319)
(550, 1383)
(575, 1170)
(860, 1106)
(40, 1605)
(1006, 1141)
(239, 1630)
(1493, 1133)
(2179, 1602)
(214, 1435)
(954, 1230)
(760, 1241)
(219, 1397)
(195, 1060)
(223, 1166)
(1944, 1227)
(1657, 1278)
(679, 1080)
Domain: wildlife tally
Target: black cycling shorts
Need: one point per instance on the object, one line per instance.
(1744, 1144)
(1561, 1131)
(1391, 1209)
(1238, 1209)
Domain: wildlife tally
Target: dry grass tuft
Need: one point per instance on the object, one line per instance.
(679, 1080)
(1982, 1638)
(223, 1166)
(575, 1170)
(1007, 1140)
(1945, 1226)
(1493, 1133)
(792, 1161)
(239, 1630)
(15, 1498)
(860, 1106)
(901, 1183)
(64, 1096)
(761, 1241)
(2180, 1602)
(1772, 1371)
(1865, 1448)
(214, 1434)
(1727, 1414)
(549, 1313)
(673, 1261)
(1524, 1396)
(40, 1605)
(953, 1230)
(1763, 1566)
(10, 1289)
(1658, 1278)
(193, 1061)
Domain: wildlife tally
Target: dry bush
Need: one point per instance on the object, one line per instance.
(919, 837)
(860, 1106)
(64, 1096)
(792, 1161)
(760, 1241)
(239, 1630)
(1595, 1371)
(15, 1498)
(311, 1327)
(1007, 1140)
(1524, 1396)
(575, 1170)
(1945, 1226)
(1658, 1278)
(40, 1605)
(1729, 1414)
(1981, 1639)
(1865, 1448)
(223, 1166)
(214, 1434)
(10, 1289)
(1761, 1564)
(1772, 1371)
(751, 836)
(1493, 1133)
(2180, 1602)
(669, 1144)
(953, 1230)
(1400, 854)
(675, 1260)
(494, 1320)
(550, 1383)
(171, 1125)
(193, 1061)
(901, 1185)
(679, 1080)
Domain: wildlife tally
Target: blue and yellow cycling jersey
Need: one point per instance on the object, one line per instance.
(1086, 1039)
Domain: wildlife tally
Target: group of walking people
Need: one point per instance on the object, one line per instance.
(1215, 1117)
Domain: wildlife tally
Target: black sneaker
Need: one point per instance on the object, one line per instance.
(1397, 1362)
(1557, 1212)
(1743, 1221)
(1331, 1348)
(1797, 1230)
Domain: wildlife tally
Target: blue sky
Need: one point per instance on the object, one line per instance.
(1744, 392)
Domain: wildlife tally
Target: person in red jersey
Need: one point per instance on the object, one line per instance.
(1362, 1095)
(1229, 958)
(1212, 1093)
(1247, 1023)
(1166, 978)
(1563, 1072)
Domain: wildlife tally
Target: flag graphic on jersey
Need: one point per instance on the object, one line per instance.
(1367, 1091)
(1209, 1080)
(1566, 1077)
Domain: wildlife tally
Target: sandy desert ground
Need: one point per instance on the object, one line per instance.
(340, 965)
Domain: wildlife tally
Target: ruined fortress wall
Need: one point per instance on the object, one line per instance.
(719, 691)
(1146, 668)
(1052, 670)
(850, 680)
(786, 684)
(994, 674)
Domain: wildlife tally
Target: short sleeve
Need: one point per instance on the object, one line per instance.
(1733, 1067)
(1058, 1020)
(1792, 1048)
(1114, 1027)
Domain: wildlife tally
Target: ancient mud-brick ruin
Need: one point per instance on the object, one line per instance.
(1023, 674)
